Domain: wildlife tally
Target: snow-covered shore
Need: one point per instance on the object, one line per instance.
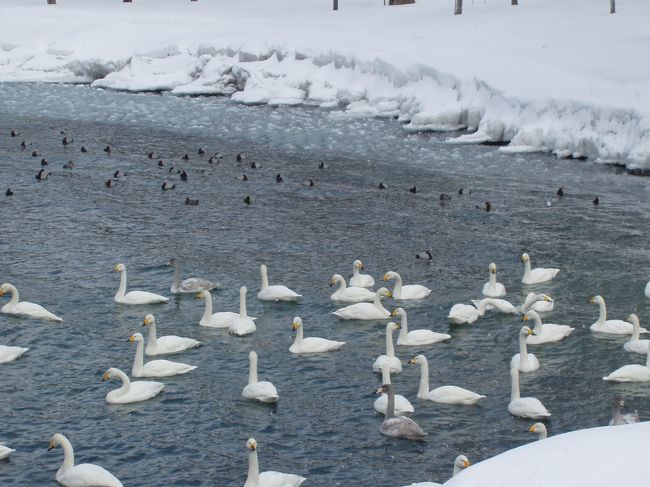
(545, 75)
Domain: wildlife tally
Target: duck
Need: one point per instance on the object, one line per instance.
(366, 311)
(613, 327)
(460, 463)
(189, 285)
(411, 291)
(537, 275)
(262, 391)
(276, 292)
(426, 255)
(542, 303)
(9, 354)
(524, 407)
(618, 418)
(166, 344)
(634, 344)
(221, 319)
(311, 344)
(82, 475)
(129, 392)
(243, 324)
(154, 368)
(498, 304)
(492, 288)
(631, 373)
(350, 294)
(444, 394)
(269, 478)
(402, 405)
(24, 308)
(134, 297)
(398, 426)
(524, 361)
(5, 451)
(358, 279)
(540, 429)
(547, 332)
(167, 186)
(389, 357)
(415, 338)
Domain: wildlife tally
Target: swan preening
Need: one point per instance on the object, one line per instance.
(631, 373)
(468, 313)
(269, 478)
(189, 285)
(416, 337)
(460, 463)
(619, 418)
(524, 361)
(410, 291)
(635, 344)
(134, 297)
(350, 294)
(545, 332)
(398, 426)
(444, 394)
(390, 358)
(366, 311)
(360, 280)
(243, 325)
(541, 303)
(166, 344)
(310, 344)
(613, 327)
(492, 288)
(524, 407)
(129, 392)
(261, 391)
(82, 475)
(402, 405)
(154, 368)
(276, 292)
(9, 354)
(538, 275)
(24, 308)
(540, 429)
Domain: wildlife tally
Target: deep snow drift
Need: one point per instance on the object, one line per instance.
(545, 75)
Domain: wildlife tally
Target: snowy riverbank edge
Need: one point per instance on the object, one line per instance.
(562, 103)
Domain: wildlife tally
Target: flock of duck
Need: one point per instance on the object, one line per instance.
(364, 304)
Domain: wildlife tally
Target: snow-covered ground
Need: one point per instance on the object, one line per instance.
(547, 75)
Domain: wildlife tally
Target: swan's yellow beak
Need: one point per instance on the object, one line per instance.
(132, 338)
(530, 332)
(117, 268)
(361, 266)
(412, 361)
(295, 325)
(466, 463)
(198, 296)
(385, 278)
(380, 391)
(525, 318)
(548, 299)
(51, 446)
(2, 293)
(397, 326)
(252, 445)
(394, 312)
(331, 282)
(389, 294)
(532, 429)
(592, 300)
(146, 321)
(106, 377)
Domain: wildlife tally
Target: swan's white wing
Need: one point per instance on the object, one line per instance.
(637, 346)
(402, 426)
(279, 479)
(423, 337)
(316, 345)
(402, 405)
(25, 308)
(9, 354)
(394, 362)
(88, 475)
(528, 407)
(453, 395)
(141, 297)
(165, 368)
(261, 391)
(630, 373)
(462, 313)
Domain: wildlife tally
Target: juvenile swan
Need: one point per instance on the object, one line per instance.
(398, 426)
(189, 285)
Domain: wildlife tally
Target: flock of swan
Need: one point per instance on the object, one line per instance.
(364, 304)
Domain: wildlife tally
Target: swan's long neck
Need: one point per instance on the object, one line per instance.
(253, 470)
(647, 362)
(299, 335)
(457, 469)
(207, 312)
(343, 286)
(377, 303)
(122, 289)
(636, 329)
(14, 295)
(152, 333)
(265, 278)
(602, 315)
(397, 289)
(126, 383)
(390, 349)
(482, 305)
(404, 328)
(493, 281)
(538, 325)
(68, 454)
(355, 271)
(177, 275)
(242, 304)
(514, 392)
(390, 405)
(252, 372)
(385, 374)
(424, 379)
(523, 350)
(138, 362)
(617, 418)
(526, 268)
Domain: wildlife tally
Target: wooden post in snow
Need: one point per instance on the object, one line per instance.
(458, 8)
(335, 6)
(127, 1)
(515, 2)
(612, 6)
(51, 2)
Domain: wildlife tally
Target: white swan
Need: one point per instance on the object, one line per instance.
(276, 292)
(538, 275)
(460, 463)
(360, 280)
(9, 354)
(492, 288)
(542, 303)
(460, 314)
(154, 368)
(398, 426)
(310, 344)
(189, 285)
(350, 294)
(546, 332)
(635, 344)
(390, 358)
(524, 407)
(647, 290)
(410, 291)
(444, 394)
(366, 311)
(165, 344)
(262, 391)
(613, 327)
(402, 405)
(82, 475)
(221, 319)
(631, 373)
(24, 308)
(244, 324)
(137, 391)
(524, 361)
(269, 478)
(5, 451)
(416, 337)
(539, 428)
(134, 297)
(500, 305)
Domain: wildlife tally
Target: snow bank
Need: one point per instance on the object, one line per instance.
(545, 76)
(609, 456)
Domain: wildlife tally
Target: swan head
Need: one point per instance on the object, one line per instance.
(120, 268)
(148, 320)
(392, 326)
(54, 442)
(136, 337)
(597, 300)
(4, 289)
(251, 444)
(618, 402)
(384, 293)
(297, 323)
(398, 312)
(530, 315)
(263, 269)
(385, 389)
(172, 262)
(537, 428)
(243, 290)
(200, 295)
(525, 257)
(107, 374)
(357, 264)
(493, 268)
(526, 331)
(418, 359)
(252, 355)
(462, 461)
(336, 278)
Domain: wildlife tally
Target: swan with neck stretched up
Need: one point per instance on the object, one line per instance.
(613, 327)
(540, 429)
(167, 344)
(524, 361)
(410, 291)
(310, 344)
(524, 407)
(635, 344)
(154, 368)
(269, 478)
(134, 297)
(460, 463)
(618, 418)
(492, 288)
(136, 391)
(631, 373)
(415, 338)
(398, 426)
(350, 294)
(402, 405)
(243, 324)
(542, 303)
(24, 308)
(82, 475)
(9, 354)
(537, 275)
(220, 319)
(545, 332)
(366, 311)
(262, 391)
(189, 285)
(358, 279)
(277, 292)
(443, 394)
(5, 451)
(394, 363)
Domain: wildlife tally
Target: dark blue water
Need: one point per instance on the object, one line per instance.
(61, 238)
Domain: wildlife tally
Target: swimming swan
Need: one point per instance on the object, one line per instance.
(444, 394)
(134, 297)
(460, 463)
(366, 311)
(618, 418)
(129, 392)
(500, 305)
(350, 294)
(189, 285)
(24, 308)
(165, 344)
(9, 354)
(154, 368)
(524, 407)
(360, 280)
(613, 327)
(635, 344)
(390, 358)
(276, 292)
(541, 303)
(244, 324)
(410, 291)
(631, 373)
(538, 275)
(524, 361)
(262, 391)
(416, 337)
(546, 332)
(398, 426)
(402, 405)
(311, 344)
(221, 319)
(269, 478)
(540, 429)
(492, 288)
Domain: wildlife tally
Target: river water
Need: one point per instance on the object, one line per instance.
(61, 238)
